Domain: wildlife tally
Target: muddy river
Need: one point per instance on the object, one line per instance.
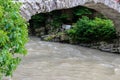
(56, 61)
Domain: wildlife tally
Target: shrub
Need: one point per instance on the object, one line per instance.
(13, 36)
(88, 31)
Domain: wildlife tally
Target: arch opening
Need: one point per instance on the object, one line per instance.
(109, 8)
(52, 26)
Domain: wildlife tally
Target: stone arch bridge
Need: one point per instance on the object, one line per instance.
(109, 8)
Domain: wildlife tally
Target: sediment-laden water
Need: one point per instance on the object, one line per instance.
(56, 61)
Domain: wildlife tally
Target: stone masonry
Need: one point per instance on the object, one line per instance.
(109, 8)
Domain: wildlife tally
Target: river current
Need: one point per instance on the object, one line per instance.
(57, 61)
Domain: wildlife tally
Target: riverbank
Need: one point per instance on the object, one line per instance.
(102, 46)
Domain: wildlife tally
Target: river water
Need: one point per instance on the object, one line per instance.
(56, 61)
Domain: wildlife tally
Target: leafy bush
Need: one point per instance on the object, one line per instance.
(53, 21)
(13, 36)
(87, 31)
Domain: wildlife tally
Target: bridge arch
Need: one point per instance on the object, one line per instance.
(109, 8)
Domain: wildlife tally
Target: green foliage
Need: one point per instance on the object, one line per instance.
(80, 11)
(1, 11)
(3, 38)
(40, 17)
(13, 36)
(87, 31)
(50, 37)
(55, 21)
(64, 16)
(39, 20)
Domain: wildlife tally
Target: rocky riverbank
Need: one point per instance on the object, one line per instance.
(63, 38)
